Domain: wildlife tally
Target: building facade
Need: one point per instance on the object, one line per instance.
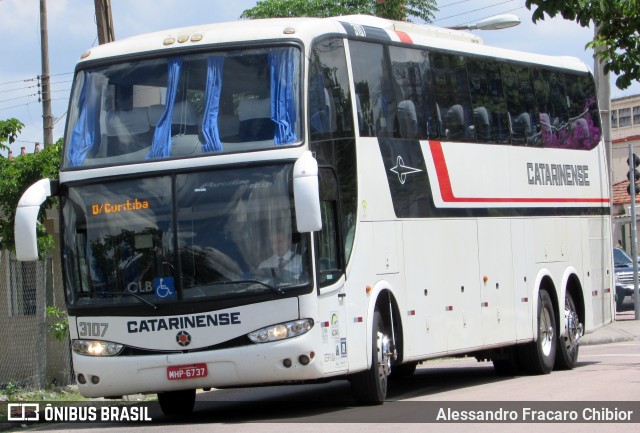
(625, 131)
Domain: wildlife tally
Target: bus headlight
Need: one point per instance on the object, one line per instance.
(96, 348)
(281, 331)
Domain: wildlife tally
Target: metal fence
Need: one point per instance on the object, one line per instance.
(30, 356)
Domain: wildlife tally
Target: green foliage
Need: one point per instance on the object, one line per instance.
(617, 40)
(391, 9)
(10, 389)
(9, 130)
(60, 328)
(17, 175)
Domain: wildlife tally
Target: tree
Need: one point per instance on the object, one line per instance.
(17, 175)
(391, 9)
(9, 130)
(617, 38)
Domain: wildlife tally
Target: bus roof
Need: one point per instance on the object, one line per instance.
(306, 29)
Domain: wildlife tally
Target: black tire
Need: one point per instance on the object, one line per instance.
(569, 341)
(539, 356)
(402, 371)
(370, 386)
(177, 403)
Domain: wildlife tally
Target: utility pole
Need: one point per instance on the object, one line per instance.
(104, 21)
(47, 117)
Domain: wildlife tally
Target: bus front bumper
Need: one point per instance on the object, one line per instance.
(276, 362)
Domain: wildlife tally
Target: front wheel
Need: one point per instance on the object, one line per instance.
(569, 341)
(370, 386)
(539, 356)
(177, 403)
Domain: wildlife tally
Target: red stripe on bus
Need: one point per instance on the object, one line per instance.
(442, 171)
(404, 37)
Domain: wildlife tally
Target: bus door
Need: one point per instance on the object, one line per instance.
(330, 278)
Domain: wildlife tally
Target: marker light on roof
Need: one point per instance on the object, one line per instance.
(289, 30)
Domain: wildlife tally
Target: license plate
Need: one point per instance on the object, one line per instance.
(181, 372)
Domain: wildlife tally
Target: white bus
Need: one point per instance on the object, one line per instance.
(291, 200)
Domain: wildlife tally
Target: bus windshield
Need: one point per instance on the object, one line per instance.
(186, 105)
(216, 234)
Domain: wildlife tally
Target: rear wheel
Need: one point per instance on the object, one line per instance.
(177, 403)
(539, 356)
(569, 341)
(370, 386)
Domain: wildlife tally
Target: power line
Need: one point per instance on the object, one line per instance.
(510, 10)
(474, 10)
(36, 78)
(18, 88)
(18, 81)
(33, 102)
(453, 4)
(19, 105)
(20, 97)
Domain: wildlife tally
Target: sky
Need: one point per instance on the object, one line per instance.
(72, 30)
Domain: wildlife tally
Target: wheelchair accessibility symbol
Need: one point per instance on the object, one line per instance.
(164, 288)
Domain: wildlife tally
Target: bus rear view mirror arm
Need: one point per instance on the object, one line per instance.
(27, 219)
(306, 193)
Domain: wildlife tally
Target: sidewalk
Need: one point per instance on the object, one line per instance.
(624, 328)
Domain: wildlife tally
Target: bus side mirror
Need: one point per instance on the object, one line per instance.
(306, 194)
(27, 219)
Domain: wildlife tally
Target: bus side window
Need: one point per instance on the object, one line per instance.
(377, 92)
(491, 121)
(329, 97)
(521, 102)
(451, 93)
(328, 238)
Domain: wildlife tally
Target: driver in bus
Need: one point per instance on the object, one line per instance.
(284, 255)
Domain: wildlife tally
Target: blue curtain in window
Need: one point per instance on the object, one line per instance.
(283, 109)
(210, 132)
(83, 135)
(161, 145)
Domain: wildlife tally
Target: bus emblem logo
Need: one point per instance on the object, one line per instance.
(403, 170)
(183, 338)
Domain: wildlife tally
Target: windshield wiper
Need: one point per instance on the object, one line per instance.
(277, 290)
(135, 295)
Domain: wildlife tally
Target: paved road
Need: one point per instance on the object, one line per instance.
(605, 373)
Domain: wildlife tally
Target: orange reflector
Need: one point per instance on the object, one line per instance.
(485, 279)
(368, 289)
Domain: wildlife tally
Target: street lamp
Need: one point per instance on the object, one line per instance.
(497, 22)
